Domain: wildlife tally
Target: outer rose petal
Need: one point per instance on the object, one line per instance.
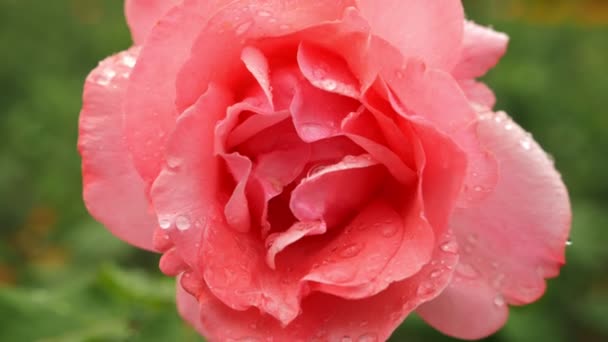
(324, 317)
(142, 15)
(113, 191)
(428, 30)
(512, 240)
(482, 48)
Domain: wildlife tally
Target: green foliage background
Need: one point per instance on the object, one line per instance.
(64, 278)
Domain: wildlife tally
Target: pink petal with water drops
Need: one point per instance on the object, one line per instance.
(317, 114)
(516, 237)
(279, 241)
(327, 71)
(114, 193)
(428, 30)
(186, 194)
(142, 15)
(218, 46)
(482, 49)
(325, 317)
(150, 113)
(256, 63)
(331, 193)
(237, 209)
(478, 93)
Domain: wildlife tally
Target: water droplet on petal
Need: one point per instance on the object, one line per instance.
(242, 28)
(499, 300)
(339, 275)
(346, 339)
(129, 61)
(569, 242)
(369, 337)
(182, 223)
(467, 271)
(263, 13)
(173, 162)
(435, 274)
(399, 74)
(164, 223)
(351, 250)
(449, 247)
(425, 289)
(526, 144)
(329, 85)
(389, 230)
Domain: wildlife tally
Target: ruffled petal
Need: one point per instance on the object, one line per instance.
(324, 317)
(512, 240)
(327, 71)
(215, 54)
(332, 192)
(429, 30)
(150, 113)
(478, 93)
(317, 114)
(426, 93)
(186, 195)
(481, 51)
(142, 15)
(113, 191)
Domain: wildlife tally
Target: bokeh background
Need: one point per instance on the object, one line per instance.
(64, 278)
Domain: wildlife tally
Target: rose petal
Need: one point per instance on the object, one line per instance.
(113, 191)
(324, 317)
(279, 241)
(186, 194)
(142, 15)
(429, 30)
(256, 63)
(150, 113)
(332, 192)
(237, 208)
(482, 48)
(478, 93)
(513, 239)
(317, 114)
(427, 93)
(359, 127)
(380, 246)
(217, 48)
(326, 71)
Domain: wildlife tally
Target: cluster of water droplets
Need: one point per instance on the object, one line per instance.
(181, 222)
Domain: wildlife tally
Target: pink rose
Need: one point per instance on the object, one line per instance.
(316, 170)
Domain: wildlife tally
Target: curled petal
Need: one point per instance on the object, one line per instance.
(114, 192)
(142, 15)
(428, 30)
(332, 192)
(482, 48)
(512, 240)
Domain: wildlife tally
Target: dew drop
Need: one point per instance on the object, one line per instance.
(182, 223)
(242, 28)
(435, 274)
(340, 275)
(284, 27)
(129, 61)
(263, 13)
(346, 339)
(449, 247)
(467, 271)
(351, 250)
(389, 230)
(425, 289)
(499, 300)
(369, 337)
(526, 144)
(106, 77)
(173, 163)
(164, 223)
(329, 85)
(498, 281)
(569, 242)
(399, 74)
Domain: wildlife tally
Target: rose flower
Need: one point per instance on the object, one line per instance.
(317, 170)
